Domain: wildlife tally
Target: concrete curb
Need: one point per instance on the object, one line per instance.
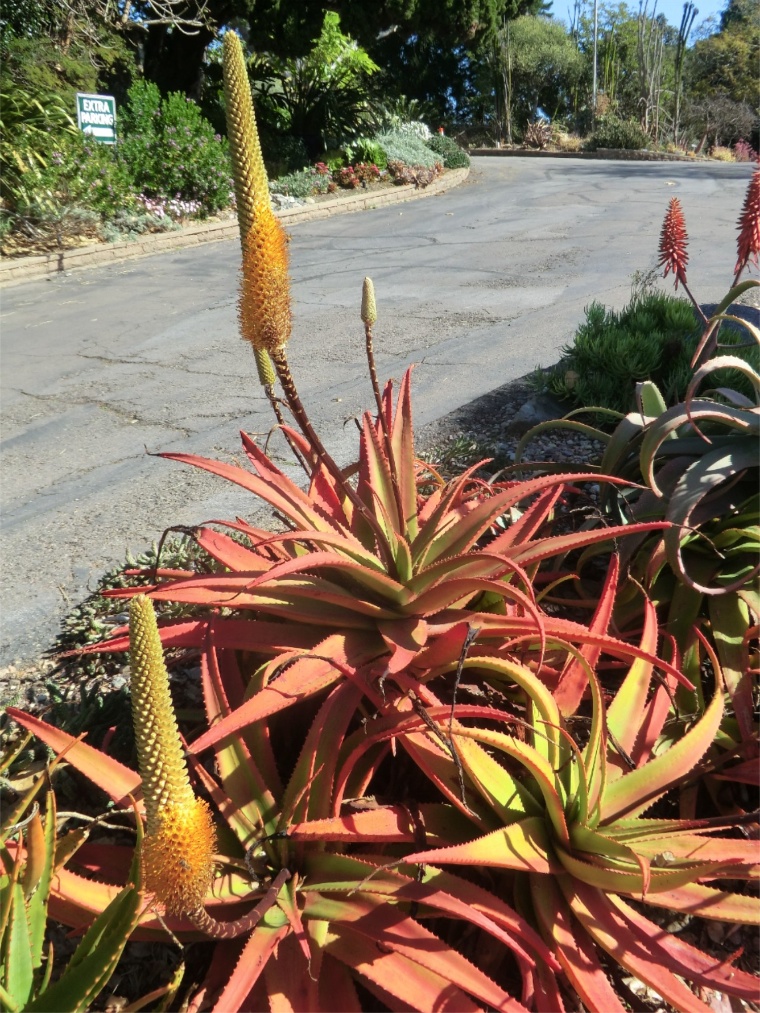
(616, 154)
(16, 271)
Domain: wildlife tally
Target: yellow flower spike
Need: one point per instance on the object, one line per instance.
(369, 307)
(264, 305)
(180, 840)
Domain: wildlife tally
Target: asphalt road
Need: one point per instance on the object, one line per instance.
(477, 286)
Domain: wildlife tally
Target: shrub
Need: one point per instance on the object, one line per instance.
(652, 338)
(171, 150)
(366, 150)
(612, 132)
(744, 152)
(301, 184)
(722, 154)
(79, 184)
(83, 171)
(127, 225)
(566, 142)
(420, 175)
(452, 156)
(538, 134)
(346, 177)
(406, 148)
(367, 173)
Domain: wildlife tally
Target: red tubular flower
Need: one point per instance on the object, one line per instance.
(673, 240)
(748, 243)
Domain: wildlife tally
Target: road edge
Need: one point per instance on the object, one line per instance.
(23, 269)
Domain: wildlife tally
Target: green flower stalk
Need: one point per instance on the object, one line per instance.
(369, 317)
(180, 840)
(369, 306)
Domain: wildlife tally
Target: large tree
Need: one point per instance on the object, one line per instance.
(726, 64)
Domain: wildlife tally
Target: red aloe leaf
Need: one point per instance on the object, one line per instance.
(288, 984)
(626, 711)
(533, 761)
(743, 773)
(635, 951)
(384, 823)
(523, 846)
(306, 599)
(402, 446)
(506, 795)
(336, 987)
(438, 513)
(230, 553)
(442, 891)
(370, 579)
(278, 491)
(655, 716)
(405, 639)
(235, 634)
(560, 630)
(116, 780)
(686, 960)
(315, 769)
(400, 983)
(573, 681)
(305, 677)
(456, 593)
(389, 929)
(707, 902)
(470, 528)
(261, 944)
(297, 941)
(472, 564)
(573, 948)
(442, 647)
(545, 548)
(376, 471)
(523, 529)
(247, 802)
(635, 791)
(732, 858)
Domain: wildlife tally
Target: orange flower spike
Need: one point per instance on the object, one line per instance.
(748, 243)
(180, 840)
(673, 240)
(264, 305)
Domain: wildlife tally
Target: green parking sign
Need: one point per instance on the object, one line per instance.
(96, 115)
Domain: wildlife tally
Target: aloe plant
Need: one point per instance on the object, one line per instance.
(695, 466)
(31, 860)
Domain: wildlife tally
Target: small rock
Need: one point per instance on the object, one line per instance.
(540, 408)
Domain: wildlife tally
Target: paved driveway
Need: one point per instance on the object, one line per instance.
(476, 286)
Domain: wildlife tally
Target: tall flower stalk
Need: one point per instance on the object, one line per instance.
(264, 306)
(180, 839)
(748, 243)
(673, 249)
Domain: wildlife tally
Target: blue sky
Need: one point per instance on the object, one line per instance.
(672, 9)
